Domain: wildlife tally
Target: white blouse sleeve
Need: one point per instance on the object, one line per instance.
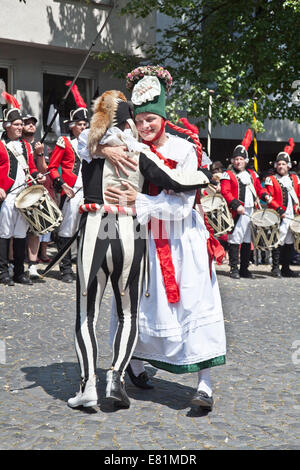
(168, 206)
(82, 147)
(163, 206)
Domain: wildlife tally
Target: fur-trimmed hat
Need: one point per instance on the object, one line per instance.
(285, 155)
(109, 109)
(241, 150)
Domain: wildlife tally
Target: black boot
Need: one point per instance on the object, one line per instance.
(65, 264)
(19, 247)
(4, 273)
(233, 252)
(141, 381)
(276, 262)
(285, 260)
(115, 390)
(245, 259)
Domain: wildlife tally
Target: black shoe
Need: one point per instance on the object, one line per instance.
(115, 390)
(23, 279)
(7, 281)
(276, 272)
(247, 274)
(68, 278)
(203, 400)
(289, 273)
(234, 274)
(141, 381)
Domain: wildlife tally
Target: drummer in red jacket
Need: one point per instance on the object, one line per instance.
(241, 188)
(69, 183)
(285, 191)
(16, 167)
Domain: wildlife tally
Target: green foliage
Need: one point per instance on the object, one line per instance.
(119, 64)
(240, 48)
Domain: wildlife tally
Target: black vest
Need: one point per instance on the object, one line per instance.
(92, 180)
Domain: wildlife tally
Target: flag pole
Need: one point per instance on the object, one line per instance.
(211, 92)
(78, 73)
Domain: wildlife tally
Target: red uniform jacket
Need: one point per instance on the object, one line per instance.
(234, 190)
(64, 156)
(9, 164)
(280, 194)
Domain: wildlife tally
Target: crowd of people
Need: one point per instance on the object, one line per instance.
(276, 188)
(130, 194)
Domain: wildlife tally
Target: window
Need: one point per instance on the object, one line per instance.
(3, 87)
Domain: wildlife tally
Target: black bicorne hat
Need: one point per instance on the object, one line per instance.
(79, 114)
(12, 114)
(241, 150)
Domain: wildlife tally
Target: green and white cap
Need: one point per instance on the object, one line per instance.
(149, 86)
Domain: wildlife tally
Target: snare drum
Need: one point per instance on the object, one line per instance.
(39, 209)
(265, 225)
(295, 229)
(218, 214)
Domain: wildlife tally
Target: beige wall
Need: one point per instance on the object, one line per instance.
(71, 24)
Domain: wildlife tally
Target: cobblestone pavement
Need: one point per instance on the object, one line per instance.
(256, 393)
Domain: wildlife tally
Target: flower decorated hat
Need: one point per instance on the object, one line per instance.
(149, 85)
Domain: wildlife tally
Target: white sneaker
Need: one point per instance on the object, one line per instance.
(33, 274)
(87, 395)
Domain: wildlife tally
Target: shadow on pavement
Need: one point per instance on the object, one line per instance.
(61, 381)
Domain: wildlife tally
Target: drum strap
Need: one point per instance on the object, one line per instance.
(291, 191)
(293, 195)
(78, 159)
(19, 157)
(250, 185)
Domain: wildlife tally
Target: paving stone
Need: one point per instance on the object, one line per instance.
(256, 393)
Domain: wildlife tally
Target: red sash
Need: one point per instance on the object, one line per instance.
(214, 247)
(162, 243)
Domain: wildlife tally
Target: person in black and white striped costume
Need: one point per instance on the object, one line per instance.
(112, 243)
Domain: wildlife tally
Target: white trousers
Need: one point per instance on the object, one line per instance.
(242, 230)
(12, 223)
(71, 216)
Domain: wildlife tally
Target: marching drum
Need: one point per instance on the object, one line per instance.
(39, 210)
(265, 229)
(218, 214)
(295, 229)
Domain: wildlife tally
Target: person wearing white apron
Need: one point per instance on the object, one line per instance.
(181, 326)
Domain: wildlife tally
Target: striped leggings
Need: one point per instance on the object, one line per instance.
(119, 254)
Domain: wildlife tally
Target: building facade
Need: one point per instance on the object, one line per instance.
(44, 43)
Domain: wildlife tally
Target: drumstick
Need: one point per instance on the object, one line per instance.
(26, 184)
(69, 198)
